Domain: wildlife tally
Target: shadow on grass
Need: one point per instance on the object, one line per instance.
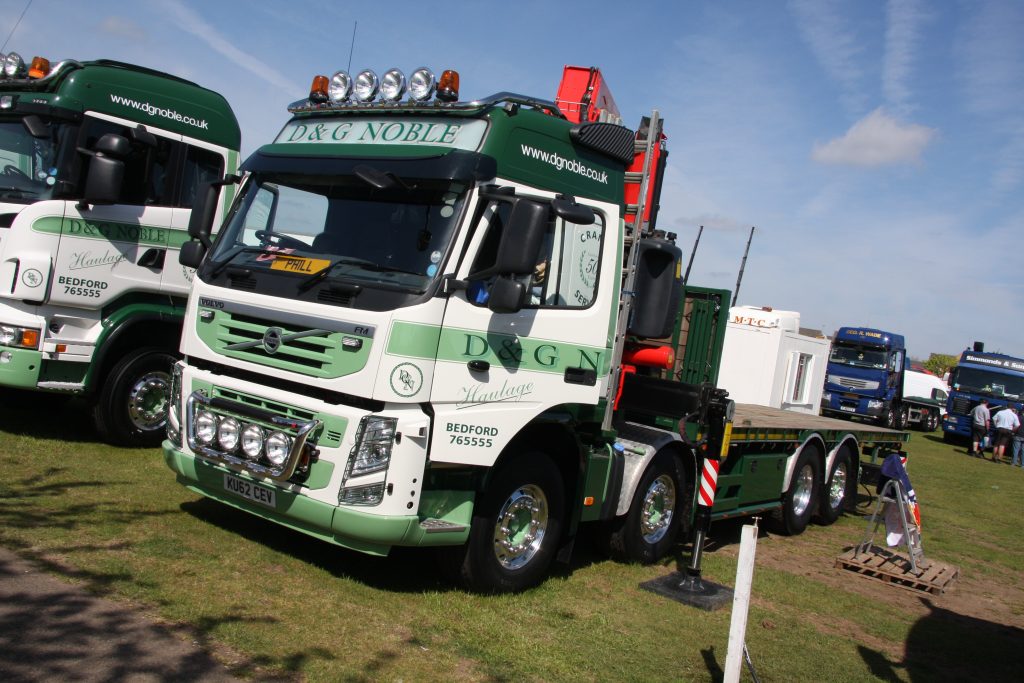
(46, 416)
(946, 646)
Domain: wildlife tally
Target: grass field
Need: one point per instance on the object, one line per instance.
(272, 603)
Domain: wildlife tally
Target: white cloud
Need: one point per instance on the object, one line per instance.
(902, 39)
(876, 140)
(122, 28)
(188, 20)
(832, 41)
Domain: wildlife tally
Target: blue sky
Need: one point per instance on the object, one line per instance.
(878, 147)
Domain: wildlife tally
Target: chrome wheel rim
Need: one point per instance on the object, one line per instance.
(148, 399)
(658, 509)
(837, 490)
(520, 528)
(803, 486)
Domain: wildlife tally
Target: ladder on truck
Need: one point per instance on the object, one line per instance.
(643, 187)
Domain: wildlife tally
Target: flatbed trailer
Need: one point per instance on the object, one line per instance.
(816, 460)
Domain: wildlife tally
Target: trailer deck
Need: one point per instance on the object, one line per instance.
(761, 423)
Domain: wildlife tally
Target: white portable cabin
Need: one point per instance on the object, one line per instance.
(768, 360)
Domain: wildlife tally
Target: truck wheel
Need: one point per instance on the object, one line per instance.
(888, 418)
(933, 422)
(648, 531)
(132, 405)
(839, 490)
(516, 527)
(902, 417)
(798, 504)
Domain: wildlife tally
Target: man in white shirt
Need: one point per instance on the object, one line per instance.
(1006, 423)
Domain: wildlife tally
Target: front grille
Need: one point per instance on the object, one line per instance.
(962, 405)
(851, 383)
(242, 336)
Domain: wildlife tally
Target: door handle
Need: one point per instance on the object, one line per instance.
(584, 376)
(152, 258)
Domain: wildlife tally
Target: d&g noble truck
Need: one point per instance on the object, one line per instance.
(100, 162)
(453, 324)
(866, 380)
(993, 376)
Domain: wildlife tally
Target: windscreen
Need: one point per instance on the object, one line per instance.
(988, 383)
(28, 164)
(390, 233)
(857, 355)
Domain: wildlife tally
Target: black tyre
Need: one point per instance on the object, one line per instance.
(839, 490)
(648, 531)
(889, 418)
(800, 501)
(902, 417)
(516, 528)
(132, 405)
(932, 423)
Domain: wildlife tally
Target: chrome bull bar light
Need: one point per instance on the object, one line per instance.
(279, 465)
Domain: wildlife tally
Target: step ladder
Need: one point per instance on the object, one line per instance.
(893, 494)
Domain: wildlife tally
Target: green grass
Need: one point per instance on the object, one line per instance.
(271, 600)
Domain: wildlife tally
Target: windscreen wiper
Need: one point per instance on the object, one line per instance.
(325, 271)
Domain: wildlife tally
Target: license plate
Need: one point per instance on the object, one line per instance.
(848, 409)
(297, 264)
(250, 491)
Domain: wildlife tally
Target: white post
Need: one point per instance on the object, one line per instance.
(740, 604)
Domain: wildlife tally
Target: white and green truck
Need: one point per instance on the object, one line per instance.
(100, 163)
(452, 324)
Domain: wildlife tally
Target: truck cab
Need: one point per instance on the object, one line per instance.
(993, 376)
(100, 163)
(864, 378)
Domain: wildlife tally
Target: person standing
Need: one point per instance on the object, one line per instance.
(1006, 423)
(980, 421)
(1018, 443)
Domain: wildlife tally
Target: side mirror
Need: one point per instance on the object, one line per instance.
(507, 295)
(566, 208)
(106, 170)
(521, 240)
(200, 223)
(192, 253)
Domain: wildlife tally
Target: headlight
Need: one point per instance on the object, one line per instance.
(279, 445)
(366, 86)
(826, 397)
(206, 427)
(228, 433)
(340, 88)
(372, 451)
(392, 85)
(252, 441)
(14, 65)
(422, 84)
(20, 337)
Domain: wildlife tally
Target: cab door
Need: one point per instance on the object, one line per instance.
(497, 371)
(108, 250)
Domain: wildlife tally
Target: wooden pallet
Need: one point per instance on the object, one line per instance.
(894, 568)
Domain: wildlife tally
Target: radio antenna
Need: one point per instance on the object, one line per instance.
(352, 47)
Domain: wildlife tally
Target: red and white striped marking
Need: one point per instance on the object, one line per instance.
(708, 482)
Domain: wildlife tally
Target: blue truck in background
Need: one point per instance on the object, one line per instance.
(864, 378)
(995, 376)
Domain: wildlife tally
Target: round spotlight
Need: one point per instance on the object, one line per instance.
(14, 65)
(341, 87)
(366, 86)
(206, 427)
(278, 446)
(252, 441)
(227, 433)
(392, 85)
(422, 84)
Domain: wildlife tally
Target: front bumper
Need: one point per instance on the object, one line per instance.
(353, 529)
(20, 367)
